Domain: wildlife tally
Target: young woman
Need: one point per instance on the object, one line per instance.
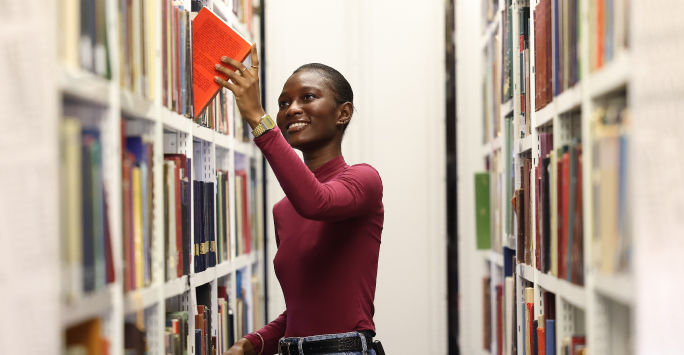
(328, 226)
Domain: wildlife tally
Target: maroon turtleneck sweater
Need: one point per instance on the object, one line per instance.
(328, 230)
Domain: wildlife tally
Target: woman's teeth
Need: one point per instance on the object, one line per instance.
(298, 124)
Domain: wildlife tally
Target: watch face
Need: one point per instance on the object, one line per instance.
(269, 122)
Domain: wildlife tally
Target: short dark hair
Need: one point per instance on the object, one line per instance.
(337, 82)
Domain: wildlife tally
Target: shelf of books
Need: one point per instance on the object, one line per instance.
(161, 214)
(550, 189)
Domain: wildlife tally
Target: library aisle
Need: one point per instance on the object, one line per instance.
(529, 151)
(569, 178)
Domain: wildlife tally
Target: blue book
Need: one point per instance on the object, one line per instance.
(181, 50)
(209, 193)
(88, 229)
(550, 337)
(198, 341)
(509, 263)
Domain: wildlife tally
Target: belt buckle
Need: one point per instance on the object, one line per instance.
(287, 347)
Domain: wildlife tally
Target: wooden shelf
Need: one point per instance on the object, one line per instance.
(175, 122)
(619, 287)
(139, 300)
(84, 85)
(176, 287)
(90, 306)
(136, 107)
(569, 100)
(612, 77)
(545, 115)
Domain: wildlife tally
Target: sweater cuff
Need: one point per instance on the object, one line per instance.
(256, 342)
(262, 139)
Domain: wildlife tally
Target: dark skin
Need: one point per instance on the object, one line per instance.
(307, 102)
(306, 98)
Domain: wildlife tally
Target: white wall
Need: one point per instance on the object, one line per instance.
(469, 133)
(392, 53)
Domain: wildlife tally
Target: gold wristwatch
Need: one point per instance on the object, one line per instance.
(264, 126)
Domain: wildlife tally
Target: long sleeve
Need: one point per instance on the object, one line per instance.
(271, 333)
(346, 197)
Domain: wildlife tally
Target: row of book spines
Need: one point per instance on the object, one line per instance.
(138, 211)
(538, 331)
(177, 177)
(563, 167)
(137, 20)
(612, 245)
(86, 231)
(83, 38)
(177, 58)
(208, 250)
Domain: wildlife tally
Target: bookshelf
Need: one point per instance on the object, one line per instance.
(598, 304)
(167, 132)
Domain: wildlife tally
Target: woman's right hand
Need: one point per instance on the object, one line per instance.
(242, 347)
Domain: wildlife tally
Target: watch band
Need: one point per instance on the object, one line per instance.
(264, 126)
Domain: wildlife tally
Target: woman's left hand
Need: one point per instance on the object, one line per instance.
(244, 83)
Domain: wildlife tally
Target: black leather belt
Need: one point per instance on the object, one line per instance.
(328, 346)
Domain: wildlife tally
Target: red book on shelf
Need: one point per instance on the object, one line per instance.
(499, 319)
(577, 262)
(541, 341)
(211, 39)
(246, 225)
(537, 237)
(599, 34)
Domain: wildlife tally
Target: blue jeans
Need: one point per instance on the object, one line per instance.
(301, 341)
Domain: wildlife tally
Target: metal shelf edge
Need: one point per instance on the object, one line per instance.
(87, 307)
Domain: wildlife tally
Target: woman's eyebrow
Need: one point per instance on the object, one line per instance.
(310, 88)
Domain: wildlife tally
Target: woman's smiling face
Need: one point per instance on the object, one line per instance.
(308, 114)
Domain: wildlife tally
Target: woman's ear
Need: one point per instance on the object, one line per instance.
(345, 112)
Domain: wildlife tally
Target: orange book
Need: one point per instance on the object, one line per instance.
(541, 337)
(212, 39)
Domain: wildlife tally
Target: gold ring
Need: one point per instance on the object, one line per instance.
(244, 70)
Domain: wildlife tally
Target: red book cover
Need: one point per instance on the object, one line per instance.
(499, 319)
(599, 34)
(549, 53)
(177, 94)
(530, 320)
(109, 257)
(537, 239)
(541, 341)
(577, 269)
(181, 164)
(577, 343)
(212, 38)
(537, 82)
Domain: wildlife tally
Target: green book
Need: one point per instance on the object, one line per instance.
(482, 224)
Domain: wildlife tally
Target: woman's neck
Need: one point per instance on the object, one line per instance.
(317, 158)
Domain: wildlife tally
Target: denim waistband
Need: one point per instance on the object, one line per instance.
(364, 335)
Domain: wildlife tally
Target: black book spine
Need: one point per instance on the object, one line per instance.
(88, 231)
(196, 227)
(202, 223)
(211, 231)
(185, 216)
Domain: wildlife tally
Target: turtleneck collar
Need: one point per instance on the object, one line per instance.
(330, 169)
